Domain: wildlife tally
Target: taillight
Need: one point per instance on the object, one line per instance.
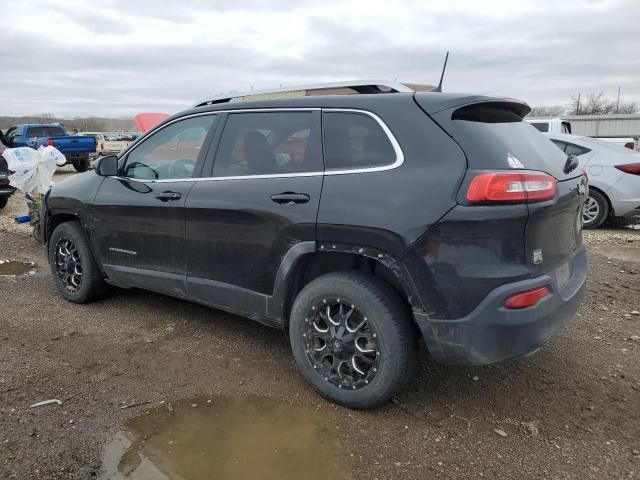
(514, 187)
(632, 168)
(526, 299)
(50, 142)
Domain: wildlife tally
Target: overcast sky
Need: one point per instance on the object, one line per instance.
(120, 57)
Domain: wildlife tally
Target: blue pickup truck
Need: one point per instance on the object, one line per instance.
(76, 149)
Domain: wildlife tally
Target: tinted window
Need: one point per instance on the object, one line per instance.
(33, 132)
(496, 146)
(543, 127)
(559, 144)
(268, 143)
(170, 153)
(355, 140)
(572, 149)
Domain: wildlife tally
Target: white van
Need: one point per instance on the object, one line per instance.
(550, 125)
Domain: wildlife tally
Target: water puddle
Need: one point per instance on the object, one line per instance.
(629, 253)
(12, 267)
(227, 438)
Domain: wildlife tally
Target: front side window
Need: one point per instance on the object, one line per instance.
(267, 143)
(171, 153)
(355, 140)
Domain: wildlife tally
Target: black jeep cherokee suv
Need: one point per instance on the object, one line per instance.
(357, 224)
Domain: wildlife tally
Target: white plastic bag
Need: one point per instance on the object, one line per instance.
(33, 169)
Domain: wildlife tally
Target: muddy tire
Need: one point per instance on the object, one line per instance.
(353, 339)
(595, 210)
(3, 202)
(81, 165)
(74, 269)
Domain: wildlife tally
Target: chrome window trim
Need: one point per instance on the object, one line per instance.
(394, 143)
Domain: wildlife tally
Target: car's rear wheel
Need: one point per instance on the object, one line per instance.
(81, 165)
(3, 202)
(75, 272)
(353, 339)
(595, 210)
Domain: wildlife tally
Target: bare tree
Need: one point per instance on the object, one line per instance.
(598, 104)
(627, 107)
(547, 111)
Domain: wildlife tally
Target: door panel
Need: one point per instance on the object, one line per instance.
(261, 202)
(237, 235)
(138, 230)
(139, 217)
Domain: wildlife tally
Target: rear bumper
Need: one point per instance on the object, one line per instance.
(492, 333)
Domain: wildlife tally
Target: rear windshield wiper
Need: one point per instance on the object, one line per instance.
(571, 164)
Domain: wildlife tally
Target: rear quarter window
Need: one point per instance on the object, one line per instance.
(354, 141)
(541, 127)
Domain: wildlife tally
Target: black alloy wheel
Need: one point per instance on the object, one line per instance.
(341, 343)
(68, 264)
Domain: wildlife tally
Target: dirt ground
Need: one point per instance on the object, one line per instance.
(570, 411)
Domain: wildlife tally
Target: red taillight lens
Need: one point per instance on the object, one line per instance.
(632, 168)
(526, 299)
(512, 187)
(50, 142)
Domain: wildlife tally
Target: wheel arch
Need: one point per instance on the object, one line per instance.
(329, 258)
(54, 219)
(606, 197)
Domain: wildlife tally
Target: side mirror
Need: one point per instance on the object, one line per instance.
(107, 166)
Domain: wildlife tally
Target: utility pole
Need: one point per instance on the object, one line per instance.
(578, 105)
(618, 102)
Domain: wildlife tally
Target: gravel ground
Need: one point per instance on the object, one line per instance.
(570, 411)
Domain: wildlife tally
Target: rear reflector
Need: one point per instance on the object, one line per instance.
(50, 142)
(632, 168)
(526, 299)
(516, 187)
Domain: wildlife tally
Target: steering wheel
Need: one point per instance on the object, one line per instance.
(133, 165)
(181, 168)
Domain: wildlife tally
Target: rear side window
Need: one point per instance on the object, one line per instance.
(355, 140)
(576, 150)
(542, 127)
(570, 148)
(33, 132)
(268, 143)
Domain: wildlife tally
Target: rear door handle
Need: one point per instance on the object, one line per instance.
(168, 196)
(287, 198)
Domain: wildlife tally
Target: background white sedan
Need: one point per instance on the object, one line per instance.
(614, 177)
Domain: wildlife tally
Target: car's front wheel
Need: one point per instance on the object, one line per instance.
(3, 202)
(595, 210)
(74, 270)
(353, 339)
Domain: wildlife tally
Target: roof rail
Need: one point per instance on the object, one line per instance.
(333, 88)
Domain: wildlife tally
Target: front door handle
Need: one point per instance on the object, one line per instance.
(288, 198)
(168, 196)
